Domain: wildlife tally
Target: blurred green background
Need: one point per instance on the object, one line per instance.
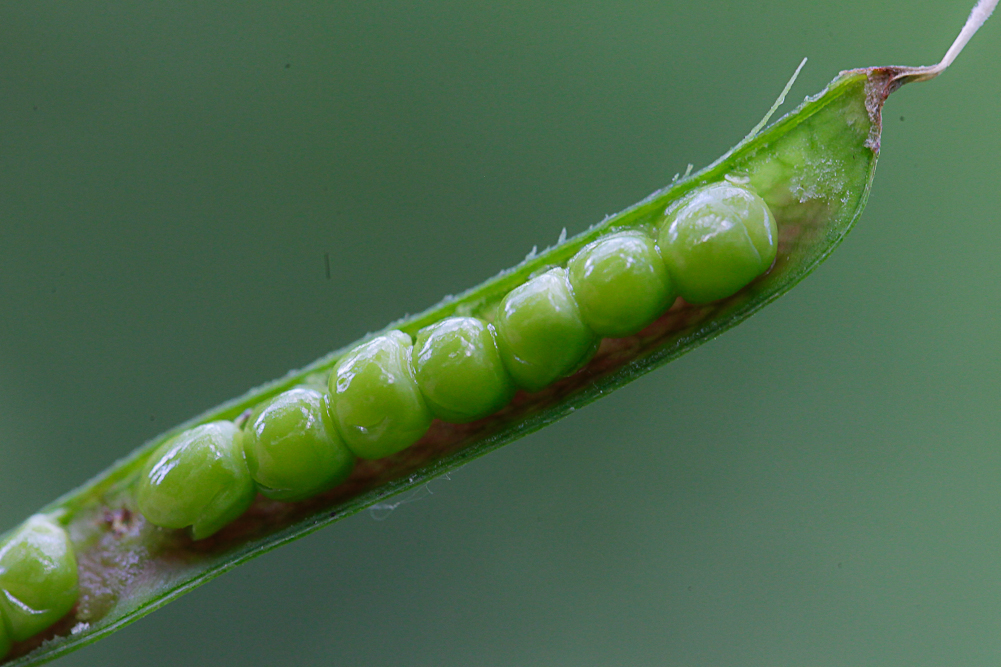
(818, 487)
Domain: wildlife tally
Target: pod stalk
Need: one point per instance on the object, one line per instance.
(978, 16)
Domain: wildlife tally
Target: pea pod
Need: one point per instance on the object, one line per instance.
(813, 168)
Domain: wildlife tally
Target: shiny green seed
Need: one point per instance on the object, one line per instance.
(293, 450)
(717, 240)
(199, 478)
(38, 578)
(459, 370)
(540, 332)
(620, 283)
(375, 402)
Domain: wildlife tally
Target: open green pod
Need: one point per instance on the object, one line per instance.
(813, 167)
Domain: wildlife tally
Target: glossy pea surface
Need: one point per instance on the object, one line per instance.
(292, 449)
(717, 240)
(459, 370)
(621, 283)
(38, 578)
(376, 404)
(540, 332)
(199, 478)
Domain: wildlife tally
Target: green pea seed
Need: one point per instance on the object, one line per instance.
(38, 578)
(459, 370)
(375, 401)
(293, 451)
(199, 478)
(620, 283)
(540, 332)
(717, 240)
